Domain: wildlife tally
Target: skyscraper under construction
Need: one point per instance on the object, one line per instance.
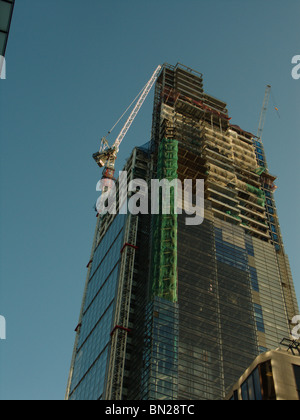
(177, 312)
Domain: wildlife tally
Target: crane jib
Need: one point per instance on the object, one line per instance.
(106, 157)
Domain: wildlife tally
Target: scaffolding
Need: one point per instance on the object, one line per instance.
(210, 148)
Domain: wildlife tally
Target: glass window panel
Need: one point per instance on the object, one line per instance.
(3, 38)
(257, 385)
(259, 318)
(297, 377)
(5, 12)
(254, 279)
(245, 392)
(251, 393)
(267, 381)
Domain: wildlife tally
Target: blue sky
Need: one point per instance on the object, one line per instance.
(72, 69)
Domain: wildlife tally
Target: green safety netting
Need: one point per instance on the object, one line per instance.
(256, 191)
(260, 170)
(164, 253)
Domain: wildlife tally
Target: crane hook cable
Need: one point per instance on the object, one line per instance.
(135, 99)
(275, 103)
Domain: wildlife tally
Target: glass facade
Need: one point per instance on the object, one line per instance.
(237, 321)
(6, 11)
(160, 373)
(97, 322)
(201, 373)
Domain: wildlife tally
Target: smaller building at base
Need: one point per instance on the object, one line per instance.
(273, 376)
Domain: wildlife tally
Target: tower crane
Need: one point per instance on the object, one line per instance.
(106, 157)
(264, 112)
